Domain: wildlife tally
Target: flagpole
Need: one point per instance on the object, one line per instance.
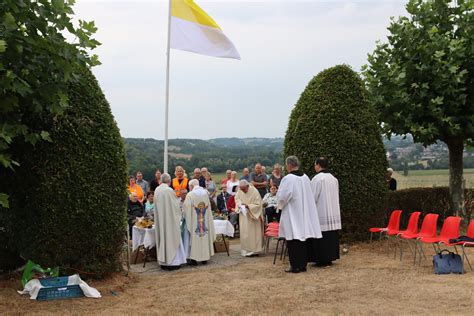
(167, 100)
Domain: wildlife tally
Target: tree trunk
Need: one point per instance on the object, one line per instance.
(456, 192)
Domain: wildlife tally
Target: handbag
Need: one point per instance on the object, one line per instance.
(446, 263)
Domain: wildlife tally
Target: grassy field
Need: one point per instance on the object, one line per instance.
(415, 178)
(430, 178)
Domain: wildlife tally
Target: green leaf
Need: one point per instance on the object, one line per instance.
(9, 22)
(3, 46)
(4, 200)
(46, 136)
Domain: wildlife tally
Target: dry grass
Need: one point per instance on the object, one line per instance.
(366, 281)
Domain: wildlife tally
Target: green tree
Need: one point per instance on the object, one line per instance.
(68, 197)
(334, 118)
(36, 66)
(422, 79)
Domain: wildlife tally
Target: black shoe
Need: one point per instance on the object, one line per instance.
(204, 262)
(193, 263)
(173, 268)
(295, 270)
(322, 264)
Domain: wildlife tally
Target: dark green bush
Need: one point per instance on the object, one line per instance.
(68, 197)
(333, 118)
(426, 200)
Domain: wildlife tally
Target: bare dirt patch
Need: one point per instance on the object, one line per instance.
(365, 281)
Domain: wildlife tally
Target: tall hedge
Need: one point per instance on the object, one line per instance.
(333, 118)
(68, 197)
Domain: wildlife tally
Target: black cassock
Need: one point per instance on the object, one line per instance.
(324, 251)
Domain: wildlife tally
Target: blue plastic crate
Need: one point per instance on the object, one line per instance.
(57, 288)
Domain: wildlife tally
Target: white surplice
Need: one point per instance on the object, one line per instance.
(299, 217)
(326, 195)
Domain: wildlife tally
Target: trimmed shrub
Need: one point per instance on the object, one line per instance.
(68, 197)
(333, 118)
(425, 200)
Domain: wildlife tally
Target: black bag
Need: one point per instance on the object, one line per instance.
(447, 263)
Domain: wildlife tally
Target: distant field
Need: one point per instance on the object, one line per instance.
(415, 178)
(430, 178)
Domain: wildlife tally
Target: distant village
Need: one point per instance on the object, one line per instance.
(403, 155)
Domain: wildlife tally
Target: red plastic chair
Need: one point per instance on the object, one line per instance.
(272, 232)
(449, 231)
(412, 229)
(393, 227)
(464, 244)
(428, 229)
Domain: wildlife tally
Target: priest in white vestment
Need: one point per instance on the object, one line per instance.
(199, 224)
(299, 223)
(325, 188)
(249, 206)
(169, 245)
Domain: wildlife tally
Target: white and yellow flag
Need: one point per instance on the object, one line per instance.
(194, 31)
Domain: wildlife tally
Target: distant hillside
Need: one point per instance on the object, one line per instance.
(218, 155)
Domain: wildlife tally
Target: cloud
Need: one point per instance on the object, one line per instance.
(283, 45)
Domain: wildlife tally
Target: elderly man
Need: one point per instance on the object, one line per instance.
(391, 182)
(249, 206)
(326, 195)
(299, 223)
(245, 174)
(143, 184)
(259, 180)
(199, 224)
(169, 245)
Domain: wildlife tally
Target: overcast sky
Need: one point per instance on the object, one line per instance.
(283, 44)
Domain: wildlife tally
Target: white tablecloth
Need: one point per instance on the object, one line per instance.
(146, 236)
(143, 237)
(223, 227)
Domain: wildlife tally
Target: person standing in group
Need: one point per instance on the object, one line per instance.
(210, 186)
(276, 176)
(199, 224)
(391, 182)
(259, 180)
(180, 184)
(228, 175)
(156, 181)
(248, 205)
(233, 181)
(202, 179)
(134, 188)
(245, 174)
(325, 188)
(299, 222)
(142, 183)
(169, 244)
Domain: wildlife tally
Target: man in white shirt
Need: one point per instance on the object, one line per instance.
(299, 223)
(325, 188)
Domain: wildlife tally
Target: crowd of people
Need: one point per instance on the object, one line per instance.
(183, 209)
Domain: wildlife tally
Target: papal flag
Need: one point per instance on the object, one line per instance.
(194, 31)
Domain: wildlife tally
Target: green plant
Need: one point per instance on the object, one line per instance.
(422, 80)
(333, 118)
(68, 197)
(36, 65)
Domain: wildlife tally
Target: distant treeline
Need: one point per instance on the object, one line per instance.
(218, 155)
